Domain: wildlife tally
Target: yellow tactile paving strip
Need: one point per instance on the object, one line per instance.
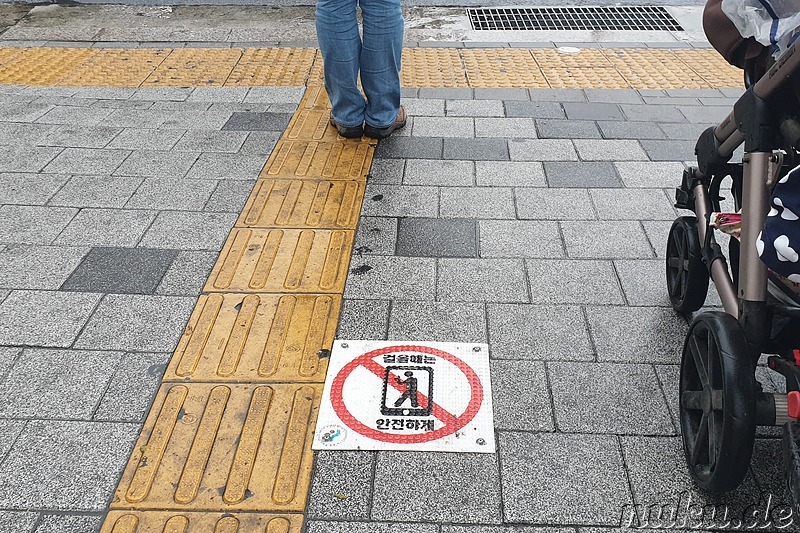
(641, 68)
(227, 443)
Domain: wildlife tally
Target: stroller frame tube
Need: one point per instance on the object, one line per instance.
(755, 205)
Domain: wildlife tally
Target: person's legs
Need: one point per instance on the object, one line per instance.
(340, 44)
(380, 60)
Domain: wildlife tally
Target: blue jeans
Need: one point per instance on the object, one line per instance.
(377, 58)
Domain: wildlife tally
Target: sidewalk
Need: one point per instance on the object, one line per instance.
(533, 219)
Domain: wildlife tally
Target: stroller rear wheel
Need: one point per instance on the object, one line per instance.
(687, 276)
(717, 402)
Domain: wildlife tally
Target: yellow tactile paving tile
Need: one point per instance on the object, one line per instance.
(199, 522)
(195, 67)
(333, 204)
(284, 261)
(316, 76)
(584, 78)
(272, 67)
(257, 338)
(223, 447)
(314, 125)
(8, 54)
(432, 67)
(654, 69)
(319, 160)
(42, 66)
(582, 58)
(504, 67)
(115, 67)
(709, 66)
(315, 98)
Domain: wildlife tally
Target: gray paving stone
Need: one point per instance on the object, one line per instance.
(419, 107)
(537, 332)
(520, 238)
(106, 227)
(157, 164)
(53, 523)
(503, 529)
(542, 150)
(188, 119)
(175, 94)
(96, 191)
(605, 240)
(606, 150)
(669, 150)
(49, 384)
(482, 149)
(386, 171)
(481, 280)
(643, 282)
(260, 143)
(376, 236)
(658, 100)
(613, 96)
(187, 230)
(12, 133)
(87, 161)
(255, 121)
(410, 148)
(218, 94)
(33, 224)
(79, 462)
(132, 322)
(535, 109)
(132, 387)
(146, 139)
(29, 189)
(275, 95)
(445, 93)
(28, 159)
(632, 204)
(17, 521)
(438, 172)
(637, 335)
(80, 136)
(38, 267)
(538, 489)
(683, 132)
(44, 318)
(557, 95)
(703, 114)
(501, 94)
(400, 201)
(136, 118)
(23, 112)
(592, 111)
(379, 277)
(580, 174)
(476, 202)
(120, 270)
(512, 128)
(341, 485)
(211, 141)
(631, 130)
(363, 319)
(434, 237)
(657, 232)
(647, 113)
(230, 196)
(75, 116)
(521, 396)
(474, 108)
(443, 127)
(187, 274)
(315, 526)
(7, 358)
(437, 487)
(567, 129)
(554, 204)
(573, 281)
(510, 174)
(3, 294)
(227, 166)
(168, 193)
(649, 174)
(438, 321)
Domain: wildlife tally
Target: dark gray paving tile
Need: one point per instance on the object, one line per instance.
(187, 274)
(482, 149)
(187, 230)
(433, 237)
(637, 335)
(652, 113)
(557, 95)
(400, 201)
(96, 191)
(684, 132)
(520, 238)
(538, 332)
(29, 189)
(44, 318)
(341, 485)
(132, 387)
(521, 396)
(120, 270)
(704, 114)
(580, 174)
(613, 96)
(534, 109)
(665, 150)
(592, 111)
(48, 384)
(38, 267)
(573, 281)
(79, 462)
(537, 488)
(437, 321)
(388, 277)
(437, 487)
(567, 129)
(173, 194)
(604, 239)
(630, 130)
(106, 227)
(481, 280)
(445, 93)
(410, 148)
(609, 150)
(501, 94)
(363, 319)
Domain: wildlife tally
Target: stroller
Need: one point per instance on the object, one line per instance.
(721, 402)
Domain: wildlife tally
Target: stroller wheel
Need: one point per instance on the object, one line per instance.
(717, 402)
(687, 276)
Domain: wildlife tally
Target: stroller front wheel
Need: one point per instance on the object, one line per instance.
(687, 276)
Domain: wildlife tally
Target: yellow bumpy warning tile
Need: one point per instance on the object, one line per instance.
(257, 338)
(194, 67)
(42, 66)
(288, 261)
(165, 521)
(432, 67)
(583, 58)
(319, 160)
(223, 448)
(654, 69)
(115, 67)
(314, 125)
(315, 98)
(272, 67)
(303, 204)
(507, 67)
(584, 78)
(711, 67)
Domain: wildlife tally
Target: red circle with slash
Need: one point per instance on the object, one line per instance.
(451, 422)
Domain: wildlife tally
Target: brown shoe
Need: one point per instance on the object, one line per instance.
(352, 132)
(382, 133)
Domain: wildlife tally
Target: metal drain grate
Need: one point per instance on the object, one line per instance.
(574, 18)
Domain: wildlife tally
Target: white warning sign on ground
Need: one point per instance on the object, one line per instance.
(414, 396)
